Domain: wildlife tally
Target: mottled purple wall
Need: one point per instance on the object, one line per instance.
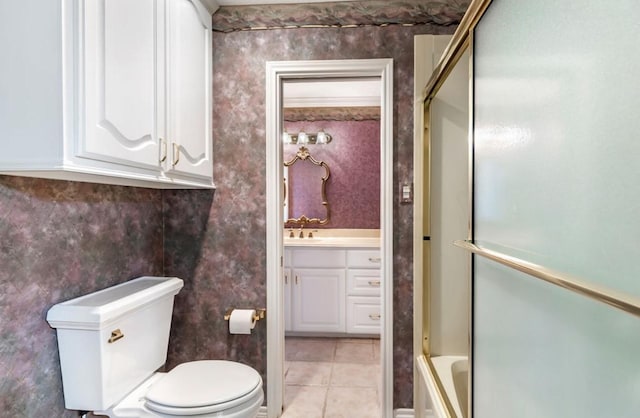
(353, 157)
(217, 247)
(229, 269)
(59, 240)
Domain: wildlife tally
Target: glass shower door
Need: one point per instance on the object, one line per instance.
(556, 175)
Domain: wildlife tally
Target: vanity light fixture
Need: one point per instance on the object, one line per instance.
(304, 138)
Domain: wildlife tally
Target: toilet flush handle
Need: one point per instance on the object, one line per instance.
(115, 335)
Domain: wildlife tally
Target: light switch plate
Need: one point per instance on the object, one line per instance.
(406, 192)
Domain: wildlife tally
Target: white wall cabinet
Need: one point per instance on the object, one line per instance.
(189, 75)
(332, 290)
(128, 92)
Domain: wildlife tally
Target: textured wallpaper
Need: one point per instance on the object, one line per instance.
(225, 265)
(353, 157)
(60, 240)
(340, 14)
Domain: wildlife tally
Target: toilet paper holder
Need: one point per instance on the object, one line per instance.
(260, 313)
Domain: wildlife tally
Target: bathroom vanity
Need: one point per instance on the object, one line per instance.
(332, 286)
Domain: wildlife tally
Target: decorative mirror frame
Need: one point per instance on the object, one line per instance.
(303, 155)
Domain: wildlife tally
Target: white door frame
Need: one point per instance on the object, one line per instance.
(276, 73)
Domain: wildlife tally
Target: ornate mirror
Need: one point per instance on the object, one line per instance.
(306, 190)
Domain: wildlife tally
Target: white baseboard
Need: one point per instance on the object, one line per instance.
(403, 413)
(409, 413)
(262, 412)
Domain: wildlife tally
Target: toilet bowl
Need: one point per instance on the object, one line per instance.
(111, 344)
(195, 389)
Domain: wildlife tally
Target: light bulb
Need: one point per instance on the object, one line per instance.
(303, 138)
(286, 138)
(321, 138)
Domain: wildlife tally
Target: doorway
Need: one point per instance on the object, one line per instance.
(277, 74)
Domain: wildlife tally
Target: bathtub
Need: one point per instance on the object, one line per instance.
(446, 379)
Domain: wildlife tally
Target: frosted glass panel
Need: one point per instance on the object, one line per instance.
(557, 136)
(544, 352)
(450, 208)
(556, 178)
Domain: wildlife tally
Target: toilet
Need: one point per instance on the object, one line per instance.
(111, 344)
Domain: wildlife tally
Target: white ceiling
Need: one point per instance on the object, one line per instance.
(247, 2)
(332, 93)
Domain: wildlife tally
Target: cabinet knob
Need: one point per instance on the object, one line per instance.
(375, 259)
(375, 317)
(375, 283)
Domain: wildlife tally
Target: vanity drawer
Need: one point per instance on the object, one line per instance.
(363, 258)
(319, 257)
(363, 315)
(363, 282)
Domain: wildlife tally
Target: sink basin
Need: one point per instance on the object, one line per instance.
(333, 242)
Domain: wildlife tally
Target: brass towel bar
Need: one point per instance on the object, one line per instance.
(626, 303)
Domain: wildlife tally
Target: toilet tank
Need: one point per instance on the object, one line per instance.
(110, 341)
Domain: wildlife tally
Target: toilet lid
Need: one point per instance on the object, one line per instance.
(204, 383)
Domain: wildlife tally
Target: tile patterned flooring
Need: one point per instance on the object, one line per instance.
(332, 378)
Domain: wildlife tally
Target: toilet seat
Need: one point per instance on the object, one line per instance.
(206, 386)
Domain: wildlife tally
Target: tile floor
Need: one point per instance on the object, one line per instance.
(332, 378)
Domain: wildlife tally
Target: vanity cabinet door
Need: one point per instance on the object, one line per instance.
(189, 92)
(121, 75)
(319, 300)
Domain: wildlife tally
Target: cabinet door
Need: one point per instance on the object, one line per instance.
(288, 326)
(363, 315)
(189, 75)
(319, 300)
(119, 73)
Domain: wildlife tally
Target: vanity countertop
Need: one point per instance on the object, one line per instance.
(363, 238)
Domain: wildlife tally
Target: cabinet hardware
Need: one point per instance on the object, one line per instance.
(286, 279)
(375, 317)
(375, 259)
(296, 279)
(375, 283)
(164, 150)
(116, 334)
(176, 154)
